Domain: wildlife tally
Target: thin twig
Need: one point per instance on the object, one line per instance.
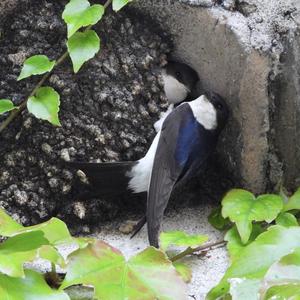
(190, 250)
(53, 268)
(107, 3)
(61, 59)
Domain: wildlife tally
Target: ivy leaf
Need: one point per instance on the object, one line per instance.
(184, 271)
(83, 242)
(287, 270)
(255, 259)
(289, 291)
(45, 105)
(49, 253)
(293, 202)
(148, 275)
(32, 287)
(6, 105)
(243, 208)
(54, 230)
(216, 219)
(79, 13)
(83, 46)
(292, 259)
(118, 4)
(8, 224)
(234, 243)
(36, 65)
(179, 238)
(244, 288)
(287, 220)
(15, 251)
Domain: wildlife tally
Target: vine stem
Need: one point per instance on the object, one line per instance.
(190, 250)
(107, 3)
(22, 106)
(53, 268)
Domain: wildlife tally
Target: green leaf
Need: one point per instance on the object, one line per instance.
(118, 4)
(243, 208)
(234, 243)
(36, 65)
(148, 275)
(8, 224)
(184, 271)
(15, 251)
(83, 242)
(246, 289)
(45, 105)
(287, 270)
(79, 13)
(6, 105)
(293, 202)
(83, 46)
(32, 287)
(292, 259)
(55, 230)
(216, 219)
(284, 292)
(179, 238)
(51, 254)
(255, 260)
(287, 220)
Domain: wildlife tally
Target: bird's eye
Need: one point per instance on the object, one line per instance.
(178, 75)
(219, 106)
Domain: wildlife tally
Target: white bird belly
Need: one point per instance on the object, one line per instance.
(141, 172)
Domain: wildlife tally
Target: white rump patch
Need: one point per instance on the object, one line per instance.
(175, 91)
(141, 173)
(204, 112)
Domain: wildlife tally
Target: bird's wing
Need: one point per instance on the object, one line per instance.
(184, 145)
(167, 168)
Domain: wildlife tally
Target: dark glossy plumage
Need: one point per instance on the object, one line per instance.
(183, 147)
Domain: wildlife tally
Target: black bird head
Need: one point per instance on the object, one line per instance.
(179, 82)
(221, 109)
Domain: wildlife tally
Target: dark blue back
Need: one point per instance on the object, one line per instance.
(194, 145)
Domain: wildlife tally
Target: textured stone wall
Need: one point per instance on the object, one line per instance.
(107, 112)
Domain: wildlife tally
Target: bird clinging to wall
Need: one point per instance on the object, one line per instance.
(179, 81)
(187, 137)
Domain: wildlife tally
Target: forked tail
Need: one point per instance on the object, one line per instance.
(106, 178)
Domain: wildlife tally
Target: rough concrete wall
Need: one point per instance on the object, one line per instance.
(285, 90)
(254, 121)
(236, 47)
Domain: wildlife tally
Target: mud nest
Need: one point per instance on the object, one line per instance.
(107, 114)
